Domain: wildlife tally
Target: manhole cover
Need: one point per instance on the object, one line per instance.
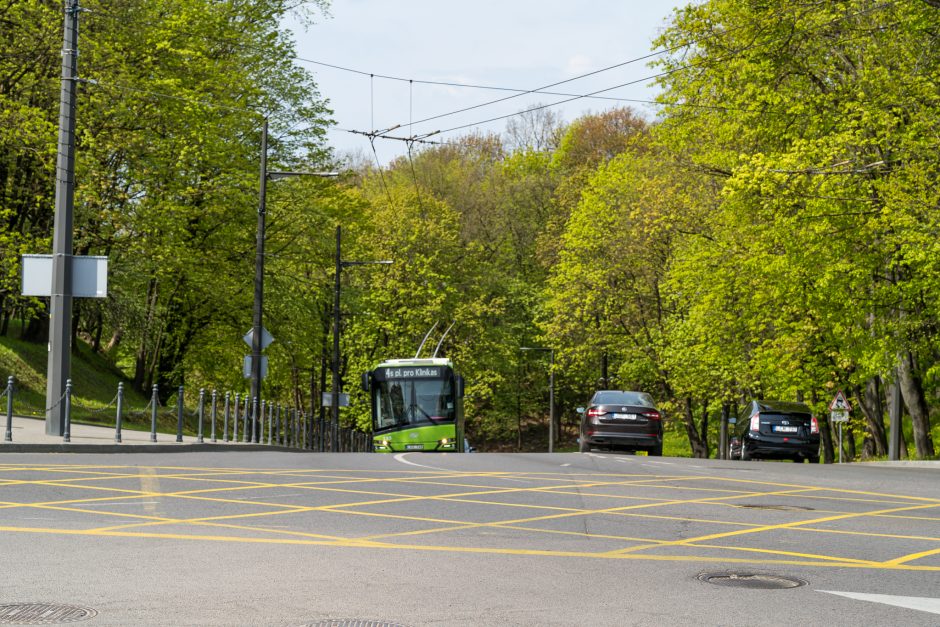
(43, 614)
(353, 622)
(751, 580)
(786, 508)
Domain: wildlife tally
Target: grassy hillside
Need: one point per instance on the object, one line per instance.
(94, 383)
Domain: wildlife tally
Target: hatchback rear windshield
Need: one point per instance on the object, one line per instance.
(776, 416)
(641, 399)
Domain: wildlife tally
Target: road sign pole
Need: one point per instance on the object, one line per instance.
(840, 442)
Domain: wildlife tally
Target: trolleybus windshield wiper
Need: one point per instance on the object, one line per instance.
(434, 419)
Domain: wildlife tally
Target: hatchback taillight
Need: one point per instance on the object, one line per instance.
(814, 425)
(755, 422)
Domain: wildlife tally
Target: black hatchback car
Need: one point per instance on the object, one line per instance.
(621, 420)
(776, 430)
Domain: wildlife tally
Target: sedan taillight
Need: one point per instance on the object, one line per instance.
(652, 415)
(755, 422)
(814, 425)
(594, 413)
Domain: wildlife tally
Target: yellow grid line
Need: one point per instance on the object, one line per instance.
(657, 481)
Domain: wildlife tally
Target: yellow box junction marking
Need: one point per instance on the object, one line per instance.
(153, 480)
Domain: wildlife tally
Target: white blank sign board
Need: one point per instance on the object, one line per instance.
(89, 276)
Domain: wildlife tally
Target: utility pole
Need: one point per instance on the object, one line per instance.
(259, 274)
(551, 402)
(340, 264)
(259, 336)
(334, 406)
(894, 416)
(60, 304)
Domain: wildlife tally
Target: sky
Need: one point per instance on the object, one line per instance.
(517, 44)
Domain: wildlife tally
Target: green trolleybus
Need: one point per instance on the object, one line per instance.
(417, 405)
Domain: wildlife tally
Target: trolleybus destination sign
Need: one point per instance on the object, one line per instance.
(414, 372)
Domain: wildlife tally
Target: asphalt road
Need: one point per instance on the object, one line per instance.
(268, 538)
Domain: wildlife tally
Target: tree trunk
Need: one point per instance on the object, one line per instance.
(36, 328)
(873, 410)
(890, 392)
(143, 376)
(703, 429)
(324, 369)
(912, 391)
(848, 433)
(699, 449)
(115, 340)
(825, 433)
(98, 329)
(519, 413)
(314, 398)
(4, 316)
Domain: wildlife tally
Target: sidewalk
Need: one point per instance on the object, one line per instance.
(29, 436)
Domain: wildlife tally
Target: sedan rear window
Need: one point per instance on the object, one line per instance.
(641, 399)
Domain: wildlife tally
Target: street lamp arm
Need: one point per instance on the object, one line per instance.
(346, 264)
(273, 176)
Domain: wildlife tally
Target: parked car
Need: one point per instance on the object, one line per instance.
(776, 430)
(617, 419)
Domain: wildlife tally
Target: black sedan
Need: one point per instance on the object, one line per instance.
(621, 420)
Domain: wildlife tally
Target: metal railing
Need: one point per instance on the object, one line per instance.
(258, 421)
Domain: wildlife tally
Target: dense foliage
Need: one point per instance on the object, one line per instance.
(772, 234)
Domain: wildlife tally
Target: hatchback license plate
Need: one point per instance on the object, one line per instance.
(785, 429)
(414, 447)
(625, 416)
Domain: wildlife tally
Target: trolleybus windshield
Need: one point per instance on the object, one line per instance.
(401, 402)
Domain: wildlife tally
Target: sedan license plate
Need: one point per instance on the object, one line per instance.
(785, 429)
(625, 416)
(414, 447)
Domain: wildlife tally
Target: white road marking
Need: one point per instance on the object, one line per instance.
(401, 458)
(922, 604)
(563, 465)
(149, 482)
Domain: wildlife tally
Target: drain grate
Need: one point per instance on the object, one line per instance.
(352, 622)
(43, 614)
(751, 580)
(784, 508)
